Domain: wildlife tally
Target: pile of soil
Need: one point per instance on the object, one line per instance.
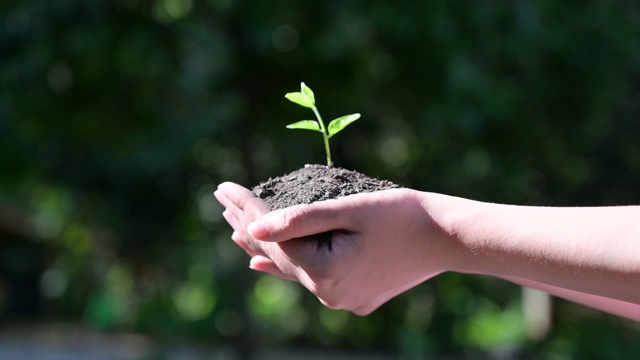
(316, 183)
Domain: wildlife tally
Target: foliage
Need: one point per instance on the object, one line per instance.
(118, 118)
(306, 98)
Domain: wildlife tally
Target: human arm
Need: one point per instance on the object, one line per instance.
(392, 240)
(593, 250)
(612, 306)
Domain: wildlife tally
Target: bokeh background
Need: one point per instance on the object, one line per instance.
(119, 118)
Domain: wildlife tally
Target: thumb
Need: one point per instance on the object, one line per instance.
(302, 220)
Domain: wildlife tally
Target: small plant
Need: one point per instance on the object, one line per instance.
(307, 99)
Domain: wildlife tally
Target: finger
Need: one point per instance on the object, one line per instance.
(304, 220)
(238, 236)
(231, 219)
(244, 245)
(238, 221)
(236, 217)
(223, 199)
(249, 245)
(242, 198)
(230, 205)
(264, 264)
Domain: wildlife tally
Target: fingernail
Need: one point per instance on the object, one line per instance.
(252, 264)
(258, 229)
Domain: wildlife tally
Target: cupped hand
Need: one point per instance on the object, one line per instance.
(382, 244)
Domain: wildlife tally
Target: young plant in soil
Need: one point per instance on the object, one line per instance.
(317, 182)
(307, 99)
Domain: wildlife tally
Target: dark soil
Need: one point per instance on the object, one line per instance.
(316, 183)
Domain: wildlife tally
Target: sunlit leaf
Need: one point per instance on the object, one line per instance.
(305, 125)
(307, 91)
(342, 122)
(300, 99)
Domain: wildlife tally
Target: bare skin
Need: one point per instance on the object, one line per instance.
(387, 242)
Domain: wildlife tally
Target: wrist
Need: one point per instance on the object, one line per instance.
(458, 220)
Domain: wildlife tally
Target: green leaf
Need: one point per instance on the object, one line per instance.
(342, 122)
(300, 99)
(307, 91)
(305, 125)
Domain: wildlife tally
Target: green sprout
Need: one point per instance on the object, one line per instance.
(306, 98)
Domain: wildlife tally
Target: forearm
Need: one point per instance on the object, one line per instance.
(588, 250)
(612, 306)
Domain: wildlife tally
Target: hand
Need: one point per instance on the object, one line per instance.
(382, 244)
(386, 242)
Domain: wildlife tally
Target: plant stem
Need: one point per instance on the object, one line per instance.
(325, 136)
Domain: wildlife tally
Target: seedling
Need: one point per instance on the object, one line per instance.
(307, 99)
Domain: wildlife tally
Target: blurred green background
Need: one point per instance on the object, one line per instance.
(119, 118)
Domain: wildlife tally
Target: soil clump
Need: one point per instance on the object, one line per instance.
(316, 183)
